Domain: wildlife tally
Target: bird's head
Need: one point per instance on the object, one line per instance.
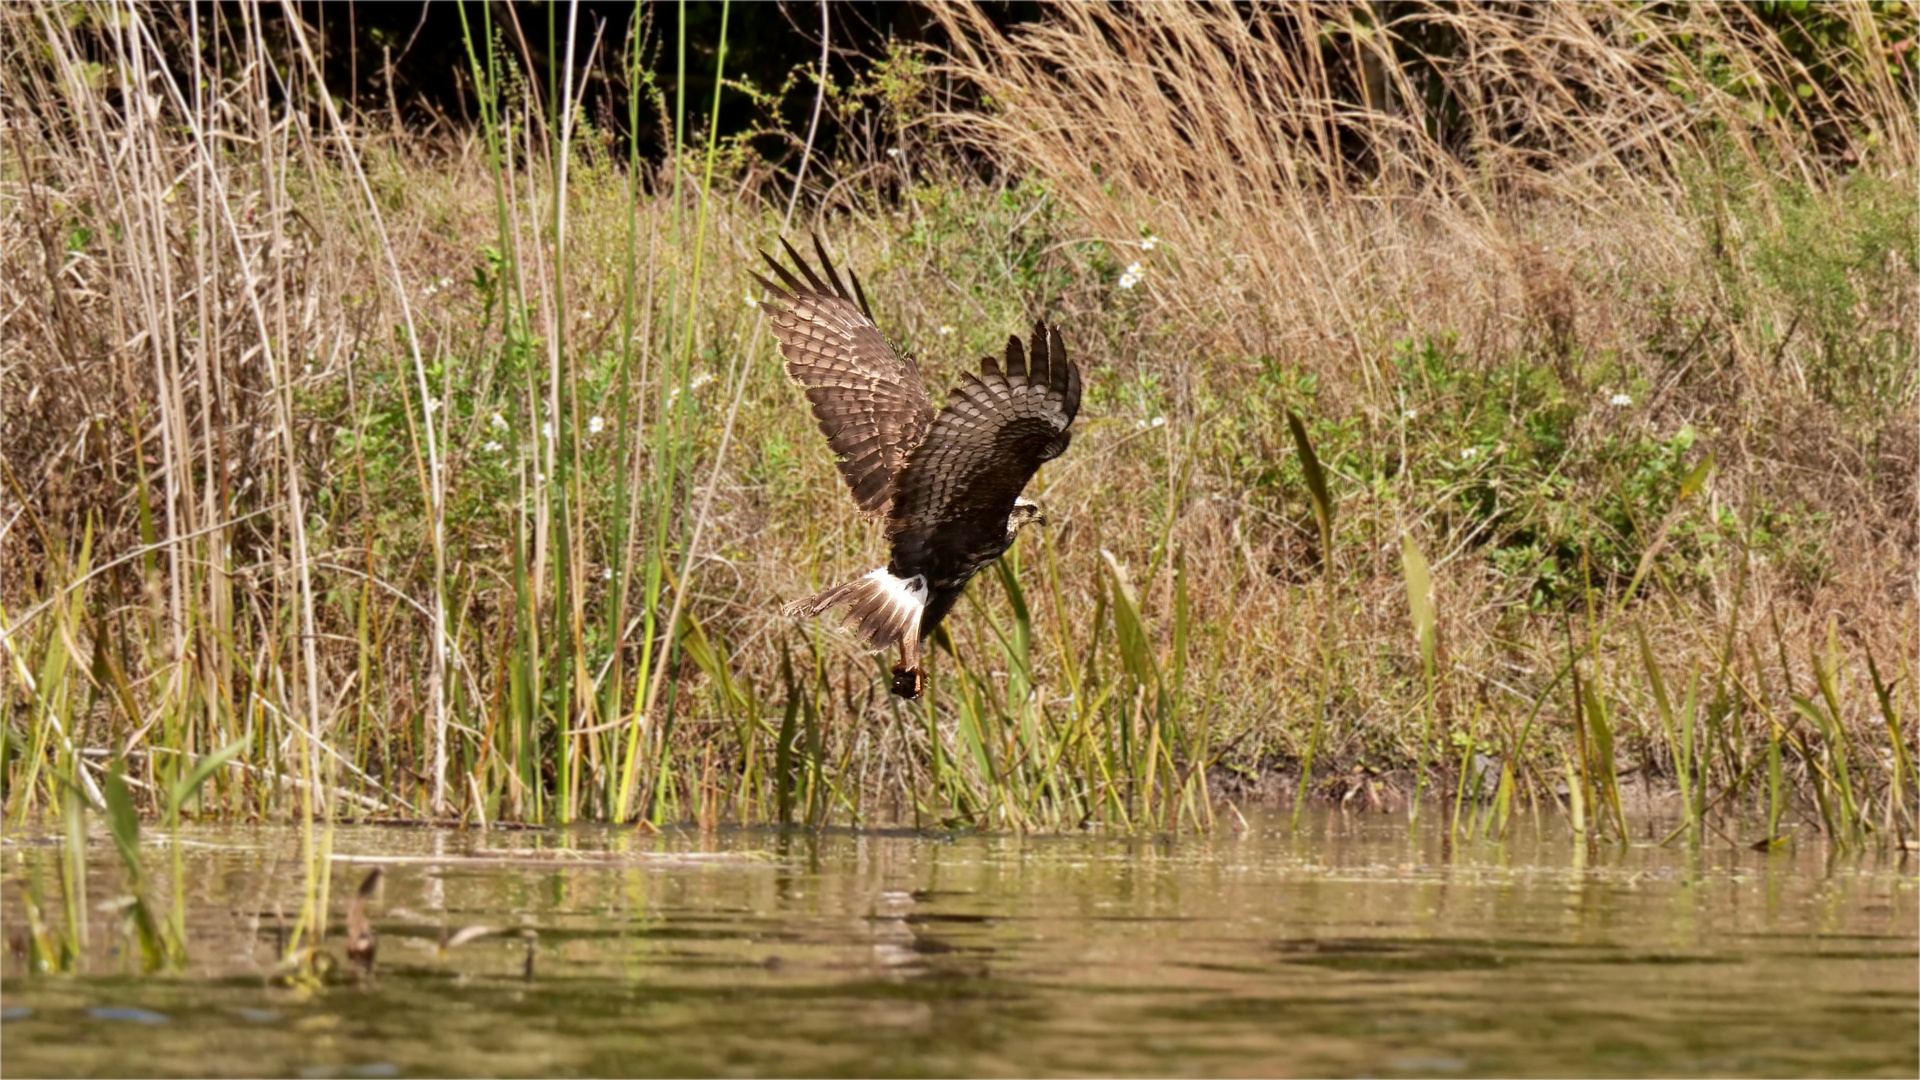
(1025, 512)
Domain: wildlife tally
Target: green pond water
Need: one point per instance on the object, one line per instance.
(1347, 947)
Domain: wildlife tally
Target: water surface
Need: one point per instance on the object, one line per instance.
(1347, 948)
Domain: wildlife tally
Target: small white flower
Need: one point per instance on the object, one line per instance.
(1132, 276)
(751, 302)
(607, 574)
(433, 405)
(1621, 401)
(701, 380)
(491, 447)
(1149, 243)
(944, 330)
(498, 423)
(596, 425)
(1468, 453)
(893, 151)
(1159, 421)
(586, 314)
(1413, 414)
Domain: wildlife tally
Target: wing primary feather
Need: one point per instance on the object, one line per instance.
(1016, 356)
(1039, 356)
(868, 399)
(778, 294)
(980, 392)
(826, 267)
(1062, 367)
(793, 284)
(998, 427)
(813, 279)
(859, 293)
(1073, 391)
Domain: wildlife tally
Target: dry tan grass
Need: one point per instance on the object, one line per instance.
(1558, 207)
(230, 320)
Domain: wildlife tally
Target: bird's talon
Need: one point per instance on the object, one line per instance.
(909, 683)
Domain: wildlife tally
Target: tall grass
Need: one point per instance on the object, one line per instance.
(358, 472)
(1324, 208)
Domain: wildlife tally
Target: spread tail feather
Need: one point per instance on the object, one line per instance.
(882, 610)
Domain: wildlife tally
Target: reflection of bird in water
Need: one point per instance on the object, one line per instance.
(904, 943)
(893, 936)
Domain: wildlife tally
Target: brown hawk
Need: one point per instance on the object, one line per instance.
(949, 483)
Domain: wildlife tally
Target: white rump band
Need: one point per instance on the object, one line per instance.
(902, 592)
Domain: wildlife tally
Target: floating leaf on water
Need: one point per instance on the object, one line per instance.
(464, 935)
(128, 1014)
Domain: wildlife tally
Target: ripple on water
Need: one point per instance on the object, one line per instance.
(1349, 947)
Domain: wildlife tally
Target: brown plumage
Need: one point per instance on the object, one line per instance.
(949, 483)
(869, 401)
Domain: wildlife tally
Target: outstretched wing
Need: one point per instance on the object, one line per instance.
(997, 429)
(869, 400)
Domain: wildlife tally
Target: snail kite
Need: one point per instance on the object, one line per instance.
(948, 482)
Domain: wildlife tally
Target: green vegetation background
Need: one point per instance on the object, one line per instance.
(1519, 405)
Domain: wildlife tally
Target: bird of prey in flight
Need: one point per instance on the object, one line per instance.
(947, 482)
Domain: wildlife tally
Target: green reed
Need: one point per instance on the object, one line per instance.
(1421, 606)
(577, 711)
(1323, 516)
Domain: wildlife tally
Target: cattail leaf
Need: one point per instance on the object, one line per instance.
(1316, 477)
(122, 819)
(1179, 619)
(189, 786)
(1135, 647)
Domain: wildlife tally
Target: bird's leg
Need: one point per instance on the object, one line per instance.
(908, 680)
